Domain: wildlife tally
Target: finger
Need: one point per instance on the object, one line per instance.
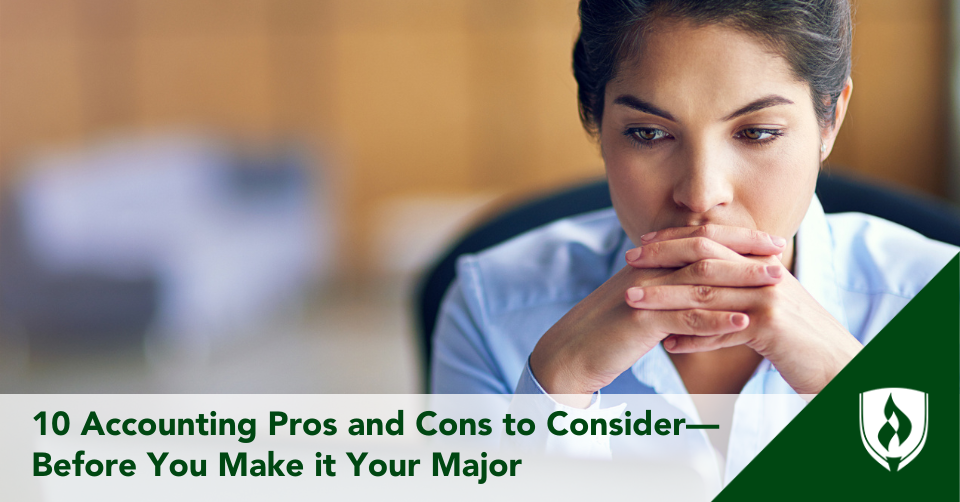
(692, 297)
(742, 240)
(679, 253)
(728, 273)
(769, 260)
(684, 344)
(697, 322)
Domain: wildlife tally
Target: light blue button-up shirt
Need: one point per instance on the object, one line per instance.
(862, 269)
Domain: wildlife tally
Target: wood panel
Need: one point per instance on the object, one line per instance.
(404, 98)
(896, 128)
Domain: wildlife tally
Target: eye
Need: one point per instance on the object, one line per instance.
(646, 136)
(758, 135)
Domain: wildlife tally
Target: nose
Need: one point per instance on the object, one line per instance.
(704, 181)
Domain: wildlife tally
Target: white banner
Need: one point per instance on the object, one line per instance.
(361, 447)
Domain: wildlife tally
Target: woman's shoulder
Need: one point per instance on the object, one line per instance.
(563, 260)
(877, 256)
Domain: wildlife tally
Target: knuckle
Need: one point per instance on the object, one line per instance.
(759, 270)
(703, 231)
(702, 245)
(774, 323)
(693, 319)
(775, 296)
(769, 311)
(758, 235)
(704, 294)
(703, 268)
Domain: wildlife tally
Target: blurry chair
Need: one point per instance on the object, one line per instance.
(838, 194)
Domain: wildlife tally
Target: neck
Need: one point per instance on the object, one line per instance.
(789, 255)
(722, 371)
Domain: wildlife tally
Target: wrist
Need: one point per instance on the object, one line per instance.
(556, 375)
(829, 368)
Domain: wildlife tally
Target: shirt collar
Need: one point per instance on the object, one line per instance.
(814, 263)
(813, 266)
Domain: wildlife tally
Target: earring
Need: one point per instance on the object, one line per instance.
(823, 148)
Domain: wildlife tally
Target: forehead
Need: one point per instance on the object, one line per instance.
(690, 68)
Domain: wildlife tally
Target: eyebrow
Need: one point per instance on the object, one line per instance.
(642, 106)
(764, 102)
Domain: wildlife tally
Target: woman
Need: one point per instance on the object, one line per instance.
(717, 272)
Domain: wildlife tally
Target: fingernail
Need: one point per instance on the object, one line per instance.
(739, 320)
(670, 343)
(635, 294)
(648, 236)
(774, 271)
(778, 241)
(634, 254)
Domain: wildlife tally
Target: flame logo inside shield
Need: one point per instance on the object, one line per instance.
(893, 425)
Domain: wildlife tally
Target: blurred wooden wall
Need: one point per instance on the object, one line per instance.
(402, 97)
(897, 128)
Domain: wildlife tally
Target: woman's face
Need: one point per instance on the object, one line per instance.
(708, 125)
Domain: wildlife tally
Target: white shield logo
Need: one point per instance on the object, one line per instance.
(893, 425)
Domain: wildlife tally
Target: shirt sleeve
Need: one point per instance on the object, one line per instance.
(531, 401)
(462, 361)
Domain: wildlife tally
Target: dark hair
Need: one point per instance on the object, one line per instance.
(814, 36)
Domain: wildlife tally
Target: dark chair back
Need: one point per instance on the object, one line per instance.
(837, 193)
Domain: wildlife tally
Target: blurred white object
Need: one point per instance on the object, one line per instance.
(416, 229)
(230, 242)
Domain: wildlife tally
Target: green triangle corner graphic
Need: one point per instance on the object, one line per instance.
(820, 455)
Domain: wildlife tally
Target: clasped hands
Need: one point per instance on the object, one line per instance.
(695, 289)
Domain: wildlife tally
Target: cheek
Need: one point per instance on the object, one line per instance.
(637, 190)
(777, 189)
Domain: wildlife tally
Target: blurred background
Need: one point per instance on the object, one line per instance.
(237, 195)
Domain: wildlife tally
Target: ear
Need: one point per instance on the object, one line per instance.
(829, 135)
